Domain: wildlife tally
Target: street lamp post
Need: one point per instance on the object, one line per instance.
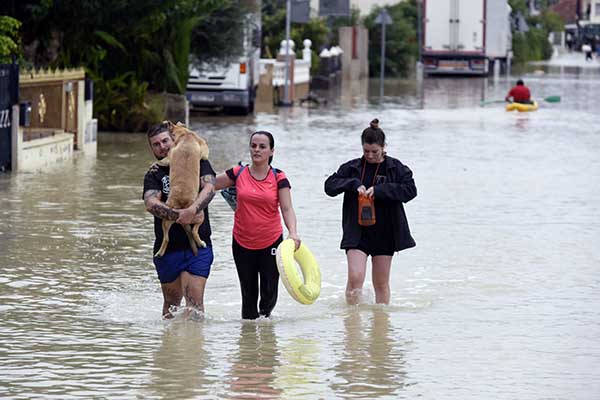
(384, 19)
(419, 40)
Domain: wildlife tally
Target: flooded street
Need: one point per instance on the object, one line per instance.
(499, 299)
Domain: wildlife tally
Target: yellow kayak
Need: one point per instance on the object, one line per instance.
(522, 107)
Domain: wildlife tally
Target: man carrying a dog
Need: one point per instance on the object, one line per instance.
(180, 272)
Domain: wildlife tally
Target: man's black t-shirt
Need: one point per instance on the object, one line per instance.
(157, 178)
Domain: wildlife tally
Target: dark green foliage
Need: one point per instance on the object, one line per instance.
(273, 30)
(352, 20)
(552, 22)
(317, 32)
(9, 39)
(127, 46)
(401, 40)
(228, 22)
(120, 104)
(519, 6)
(533, 45)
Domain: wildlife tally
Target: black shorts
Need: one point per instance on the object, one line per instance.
(372, 247)
(373, 253)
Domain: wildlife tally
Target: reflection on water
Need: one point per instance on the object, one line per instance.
(498, 300)
(300, 373)
(372, 363)
(252, 372)
(181, 362)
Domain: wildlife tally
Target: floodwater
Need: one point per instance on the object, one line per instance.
(500, 299)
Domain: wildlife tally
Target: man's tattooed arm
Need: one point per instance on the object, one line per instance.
(207, 183)
(156, 207)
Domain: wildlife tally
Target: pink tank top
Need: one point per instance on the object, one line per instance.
(257, 221)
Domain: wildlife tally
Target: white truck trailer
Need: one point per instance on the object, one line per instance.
(462, 36)
(498, 36)
(229, 85)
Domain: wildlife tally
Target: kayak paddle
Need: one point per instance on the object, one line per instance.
(483, 103)
(549, 99)
(552, 99)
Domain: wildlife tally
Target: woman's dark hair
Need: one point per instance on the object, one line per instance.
(271, 140)
(373, 134)
(159, 128)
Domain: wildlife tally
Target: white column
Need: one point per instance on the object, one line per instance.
(81, 115)
(17, 139)
(307, 52)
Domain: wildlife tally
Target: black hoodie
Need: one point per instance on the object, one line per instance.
(398, 188)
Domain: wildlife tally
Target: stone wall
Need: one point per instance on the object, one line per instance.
(354, 41)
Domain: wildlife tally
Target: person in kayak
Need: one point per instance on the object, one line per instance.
(519, 94)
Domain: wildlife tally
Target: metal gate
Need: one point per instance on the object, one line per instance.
(9, 96)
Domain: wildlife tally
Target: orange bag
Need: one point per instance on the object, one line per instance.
(366, 205)
(366, 210)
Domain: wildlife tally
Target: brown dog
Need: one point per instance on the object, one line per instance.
(184, 176)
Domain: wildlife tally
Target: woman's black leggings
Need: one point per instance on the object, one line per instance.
(251, 264)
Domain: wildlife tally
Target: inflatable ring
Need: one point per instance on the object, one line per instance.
(522, 107)
(304, 289)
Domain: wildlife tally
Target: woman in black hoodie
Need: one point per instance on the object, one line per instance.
(386, 183)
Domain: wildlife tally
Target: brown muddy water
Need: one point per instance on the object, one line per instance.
(500, 299)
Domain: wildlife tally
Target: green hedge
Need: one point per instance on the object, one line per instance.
(531, 46)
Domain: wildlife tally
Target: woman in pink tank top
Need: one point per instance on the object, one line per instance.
(262, 192)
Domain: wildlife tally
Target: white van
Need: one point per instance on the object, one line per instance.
(231, 86)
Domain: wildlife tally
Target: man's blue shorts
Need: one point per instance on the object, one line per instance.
(170, 265)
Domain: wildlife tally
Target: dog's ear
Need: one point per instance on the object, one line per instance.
(182, 128)
(178, 131)
(169, 124)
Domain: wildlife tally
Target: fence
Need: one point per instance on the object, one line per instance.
(59, 122)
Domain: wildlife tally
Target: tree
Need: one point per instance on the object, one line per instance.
(273, 29)
(152, 38)
(127, 47)
(519, 6)
(533, 44)
(401, 39)
(217, 38)
(9, 39)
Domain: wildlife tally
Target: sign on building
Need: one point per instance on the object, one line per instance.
(300, 11)
(337, 8)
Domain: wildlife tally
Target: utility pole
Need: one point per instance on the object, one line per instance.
(286, 90)
(419, 71)
(384, 19)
